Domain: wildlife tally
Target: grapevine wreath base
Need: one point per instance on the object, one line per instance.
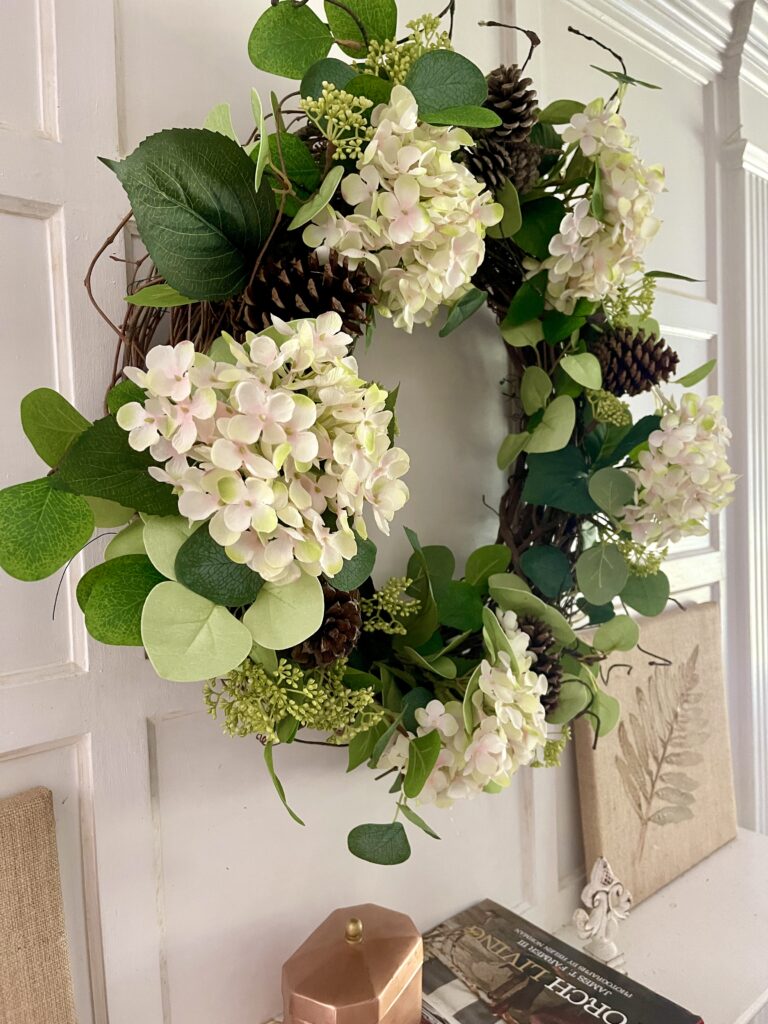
(243, 460)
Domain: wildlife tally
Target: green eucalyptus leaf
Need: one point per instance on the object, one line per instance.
(597, 613)
(419, 822)
(560, 112)
(51, 424)
(512, 220)
(357, 570)
(584, 368)
(697, 375)
(204, 567)
(417, 698)
(115, 597)
(329, 69)
(638, 434)
(220, 120)
(109, 513)
(284, 615)
(621, 633)
(320, 199)
(163, 537)
(535, 389)
(606, 711)
(612, 490)
(462, 310)
(102, 464)
(287, 40)
(601, 573)
(196, 209)
(547, 568)
(558, 326)
(41, 528)
(646, 594)
(486, 561)
(270, 763)
(423, 752)
(123, 393)
(528, 334)
(554, 431)
(378, 17)
(464, 116)
(188, 638)
(129, 541)
(158, 296)
(299, 163)
(440, 79)
(380, 844)
(574, 698)
(438, 561)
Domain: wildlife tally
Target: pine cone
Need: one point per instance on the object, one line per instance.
(512, 98)
(494, 159)
(632, 363)
(546, 662)
(296, 286)
(339, 632)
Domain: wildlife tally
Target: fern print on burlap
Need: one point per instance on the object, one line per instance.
(658, 761)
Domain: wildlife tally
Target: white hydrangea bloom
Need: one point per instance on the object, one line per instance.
(590, 257)
(508, 728)
(419, 218)
(281, 450)
(684, 476)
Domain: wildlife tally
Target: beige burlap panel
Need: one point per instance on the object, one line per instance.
(35, 978)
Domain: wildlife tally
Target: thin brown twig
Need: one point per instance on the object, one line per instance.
(603, 46)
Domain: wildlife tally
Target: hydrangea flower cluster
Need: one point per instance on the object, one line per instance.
(508, 727)
(684, 475)
(418, 218)
(593, 255)
(281, 449)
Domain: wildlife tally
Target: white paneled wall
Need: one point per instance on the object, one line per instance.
(186, 885)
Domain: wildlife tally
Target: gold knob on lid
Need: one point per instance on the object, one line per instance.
(353, 933)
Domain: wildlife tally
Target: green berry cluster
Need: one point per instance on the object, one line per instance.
(396, 59)
(341, 117)
(630, 302)
(641, 560)
(386, 611)
(608, 408)
(553, 750)
(254, 700)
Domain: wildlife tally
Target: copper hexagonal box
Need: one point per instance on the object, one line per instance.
(361, 966)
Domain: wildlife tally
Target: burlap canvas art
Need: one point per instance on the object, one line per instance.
(35, 979)
(657, 793)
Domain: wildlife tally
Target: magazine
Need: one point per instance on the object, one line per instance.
(487, 965)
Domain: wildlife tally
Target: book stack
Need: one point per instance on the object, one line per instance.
(487, 965)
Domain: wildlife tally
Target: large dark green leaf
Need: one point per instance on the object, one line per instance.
(423, 753)
(443, 78)
(358, 569)
(198, 214)
(548, 568)
(51, 424)
(41, 528)
(638, 434)
(329, 69)
(204, 566)
(541, 220)
(101, 464)
(380, 844)
(459, 605)
(115, 599)
(646, 594)
(287, 40)
(560, 480)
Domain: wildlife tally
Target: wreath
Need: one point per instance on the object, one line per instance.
(243, 462)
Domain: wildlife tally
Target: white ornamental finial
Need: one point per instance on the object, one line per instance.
(607, 902)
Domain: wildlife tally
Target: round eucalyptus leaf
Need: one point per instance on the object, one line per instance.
(554, 431)
(329, 69)
(163, 537)
(535, 389)
(129, 541)
(601, 573)
(109, 513)
(574, 698)
(612, 490)
(189, 638)
(444, 78)
(115, 598)
(380, 844)
(51, 424)
(287, 40)
(646, 594)
(621, 633)
(41, 528)
(284, 615)
(378, 18)
(584, 368)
